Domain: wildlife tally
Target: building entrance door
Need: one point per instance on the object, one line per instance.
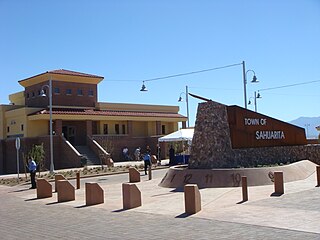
(69, 132)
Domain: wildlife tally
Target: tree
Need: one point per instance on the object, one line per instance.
(38, 154)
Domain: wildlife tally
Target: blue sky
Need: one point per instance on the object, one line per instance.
(129, 41)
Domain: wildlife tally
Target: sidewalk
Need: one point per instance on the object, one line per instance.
(294, 215)
(164, 162)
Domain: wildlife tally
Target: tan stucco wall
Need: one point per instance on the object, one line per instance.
(37, 128)
(17, 98)
(15, 118)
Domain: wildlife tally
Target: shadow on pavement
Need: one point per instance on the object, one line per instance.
(120, 210)
(31, 199)
(183, 215)
(179, 189)
(20, 190)
(243, 201)
(82, 206)
(276, 194)
(52, 203)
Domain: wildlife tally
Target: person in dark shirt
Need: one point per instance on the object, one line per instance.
(171, 155)
(32, 166)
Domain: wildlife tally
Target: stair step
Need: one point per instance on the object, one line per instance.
(85, 151)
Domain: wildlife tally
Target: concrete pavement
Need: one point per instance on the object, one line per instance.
(294, 215)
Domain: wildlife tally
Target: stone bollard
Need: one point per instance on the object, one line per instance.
(131, 196)
(244, 184)
(318, 176)
(134, 175)
(78, 180)
(66, 191)
(94, 194)
(44, 188)
(278, 183)
(192, 198)
(150, 172)
(58, 177)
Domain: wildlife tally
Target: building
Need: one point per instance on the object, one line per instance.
(81, 125)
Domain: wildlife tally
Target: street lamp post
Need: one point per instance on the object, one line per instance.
(51, 130)
(254, 80)
(256, 96)
(187, 102)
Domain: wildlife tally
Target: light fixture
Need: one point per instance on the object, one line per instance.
(143, 87)
(42, 93)
(258, 95)
(254, 80)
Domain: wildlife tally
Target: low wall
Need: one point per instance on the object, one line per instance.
(177, 177)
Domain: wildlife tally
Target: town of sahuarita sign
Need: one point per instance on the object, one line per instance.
(250, 129)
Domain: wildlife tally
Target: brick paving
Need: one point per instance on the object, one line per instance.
(161, 216)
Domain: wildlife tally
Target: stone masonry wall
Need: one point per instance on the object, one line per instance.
(212, 148)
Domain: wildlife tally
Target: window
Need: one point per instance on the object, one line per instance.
(163, 129)
(116, 128)
(90, 93)
(105, 128)
(57, 90)
(123, 129)
(33, 94)
(8, 129)
(68, 91)
(80, 92)
(39, 92)
(22, 127)
(28, 95)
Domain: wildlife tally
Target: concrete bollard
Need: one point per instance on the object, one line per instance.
(44, 188)
(58, 177)
(94, 194)
(131, 196)
(134, 175)
(278, 183)
(78, 180)
(66, 191)
(244, 184)
(192, 198)
(318, 176)
(150, 172)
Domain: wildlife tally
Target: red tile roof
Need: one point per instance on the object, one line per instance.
(65, 72)
(68, 72)
(109, 113)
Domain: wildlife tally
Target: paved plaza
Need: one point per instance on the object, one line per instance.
(294, 215)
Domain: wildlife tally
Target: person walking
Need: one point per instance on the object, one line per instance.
(159, 154)
(137, 154)
(171, 155)
(147, 162)
(148, 150)
(32, 166)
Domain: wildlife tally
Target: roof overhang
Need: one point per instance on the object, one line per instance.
(65, 76)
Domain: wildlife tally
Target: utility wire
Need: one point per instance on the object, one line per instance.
(290, 85)
(180, 74)
(189, 73)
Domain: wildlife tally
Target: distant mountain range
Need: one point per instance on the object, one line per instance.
(309, 124)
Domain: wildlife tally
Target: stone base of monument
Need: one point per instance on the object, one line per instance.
(179, 176)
